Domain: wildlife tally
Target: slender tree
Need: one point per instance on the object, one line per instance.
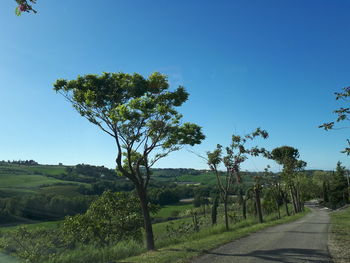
(274, 181)
(235, 155)
(214, 209)
(140, 114)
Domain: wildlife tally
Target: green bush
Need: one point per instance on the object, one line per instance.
(111, 218)
(32, 245)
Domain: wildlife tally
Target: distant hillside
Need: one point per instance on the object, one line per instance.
(30, 177)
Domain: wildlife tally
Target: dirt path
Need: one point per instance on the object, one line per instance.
(304, 240)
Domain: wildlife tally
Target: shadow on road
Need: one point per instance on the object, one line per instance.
(291, 255)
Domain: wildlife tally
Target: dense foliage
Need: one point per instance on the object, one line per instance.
(111, 218)
(42, 207)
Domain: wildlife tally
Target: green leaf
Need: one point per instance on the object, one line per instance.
(18, 12)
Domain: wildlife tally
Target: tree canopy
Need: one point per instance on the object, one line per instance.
(139, 113)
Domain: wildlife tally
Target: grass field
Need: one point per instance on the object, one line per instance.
(47, 169)
(340, 236)
(17, 180)
(65, 190)
(26, 181)
(36, 169)
(33, 226)
(205, 178)
(172, 210)
(14, 192)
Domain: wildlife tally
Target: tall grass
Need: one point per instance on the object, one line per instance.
(91, 254)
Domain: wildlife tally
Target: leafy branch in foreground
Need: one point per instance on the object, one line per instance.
(25, 6)
(342, 115)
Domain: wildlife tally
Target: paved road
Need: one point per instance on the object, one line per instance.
(304, 240)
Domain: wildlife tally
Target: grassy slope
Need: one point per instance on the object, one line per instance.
(34, 226)
(47, 169)
(207, 178)
(197, 245)
(169, 210)
(65, 190)
(16, 180)
(25, 181)
(340, 236)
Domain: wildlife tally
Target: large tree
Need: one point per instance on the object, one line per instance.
(140, 114)
(343, 114)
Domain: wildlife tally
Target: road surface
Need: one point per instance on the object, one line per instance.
(304, 240)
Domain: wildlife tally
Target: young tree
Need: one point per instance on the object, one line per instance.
(235, 155)
(214, 209)
(274, 181)
(140, 114)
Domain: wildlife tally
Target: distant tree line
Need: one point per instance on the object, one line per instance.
(20, 162)
(42, 207)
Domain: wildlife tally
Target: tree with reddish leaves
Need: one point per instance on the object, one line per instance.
(25, 6)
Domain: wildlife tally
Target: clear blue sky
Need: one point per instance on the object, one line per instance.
(272, 63)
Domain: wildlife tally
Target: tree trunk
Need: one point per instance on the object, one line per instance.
(278, 208)
(258, 205)
(300, 205)
(347, 177)
(225, 210)
(243, 202)
(214, 210)
(146, 218)
(292, 194)
(285, 200)
(244, 208)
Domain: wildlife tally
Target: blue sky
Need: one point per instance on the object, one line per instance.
(273, 64)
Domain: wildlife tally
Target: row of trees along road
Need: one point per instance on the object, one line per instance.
(140, 115)
(288, 184)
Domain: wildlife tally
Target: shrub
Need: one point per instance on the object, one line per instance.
(111, 218)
